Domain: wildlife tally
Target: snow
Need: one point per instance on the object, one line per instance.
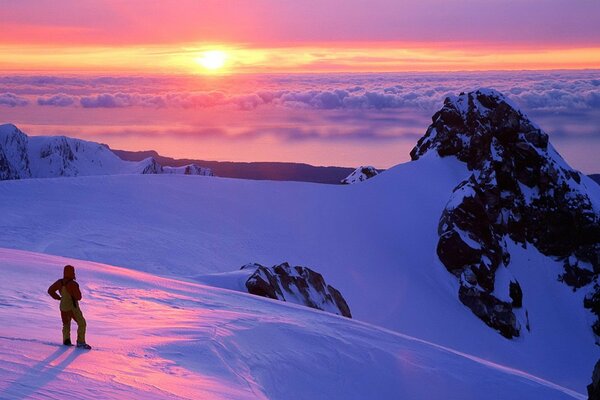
(59, 156)
(382, 259)
(502, 284)
(468, 240)
(160, 338)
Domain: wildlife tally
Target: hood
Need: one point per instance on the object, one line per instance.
(69, 272)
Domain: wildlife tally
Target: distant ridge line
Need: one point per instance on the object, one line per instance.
(276, 171)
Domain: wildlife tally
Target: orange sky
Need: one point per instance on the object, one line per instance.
(335, 57)
(298, 36)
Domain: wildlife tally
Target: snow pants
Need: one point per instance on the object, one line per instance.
(81, 324)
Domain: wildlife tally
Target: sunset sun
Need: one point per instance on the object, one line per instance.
(212, 60)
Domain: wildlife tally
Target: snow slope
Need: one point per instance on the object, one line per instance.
(163, 338)
(375, 242)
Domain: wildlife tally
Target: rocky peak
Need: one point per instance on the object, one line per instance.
(476, 125)
(150, 166)
(360, 174)
(520, 189)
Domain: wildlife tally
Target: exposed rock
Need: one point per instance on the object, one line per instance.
(150, 166)
(14, 160)
(594, 387)
(360, 174)
(298, 285)
(58, 156)
(516, 294)
(494, 312)
(520, 189)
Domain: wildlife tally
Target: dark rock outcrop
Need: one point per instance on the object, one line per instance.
(298, 285)
(519, 189)
(360, 174)
(594, 387)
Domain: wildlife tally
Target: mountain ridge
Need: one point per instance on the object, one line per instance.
(23, 157)
(256, 170)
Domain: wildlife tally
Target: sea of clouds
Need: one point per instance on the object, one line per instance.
(548, 91)
(304, 107)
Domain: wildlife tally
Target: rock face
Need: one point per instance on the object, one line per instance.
(299, 285)
(24, 157)
(150, 166)
(519, 189)
(360, 174)
(594, 387)
(14, 160)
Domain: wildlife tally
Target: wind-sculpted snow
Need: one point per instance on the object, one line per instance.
(519, 188)
(158, 338)
(24, 157)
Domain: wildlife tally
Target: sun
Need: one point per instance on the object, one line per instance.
(212, 60)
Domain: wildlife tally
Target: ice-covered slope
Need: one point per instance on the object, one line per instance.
(382, 259)
(158, 338)
(24, 157)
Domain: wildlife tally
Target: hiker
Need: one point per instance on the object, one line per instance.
(69, 297)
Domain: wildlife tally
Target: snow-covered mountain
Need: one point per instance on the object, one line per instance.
(518, 189)
(24, 157)
(360, 174)
(383, 259)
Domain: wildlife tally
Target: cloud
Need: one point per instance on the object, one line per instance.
(12, 100)
(533, 91)
(58, 100)
(107, 100)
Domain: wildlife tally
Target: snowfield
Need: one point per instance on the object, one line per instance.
(374, 241)
(163, 338)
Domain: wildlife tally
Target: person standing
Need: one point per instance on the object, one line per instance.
(69, 296)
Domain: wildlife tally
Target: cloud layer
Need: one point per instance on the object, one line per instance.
(554, 91)
(378, 110)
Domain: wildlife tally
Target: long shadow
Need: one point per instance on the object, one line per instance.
(39, 375)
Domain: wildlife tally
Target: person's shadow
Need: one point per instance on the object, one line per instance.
(39, 375)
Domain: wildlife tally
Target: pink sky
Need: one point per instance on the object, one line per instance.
(276, 22)
(127, 73)
(300, 36)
